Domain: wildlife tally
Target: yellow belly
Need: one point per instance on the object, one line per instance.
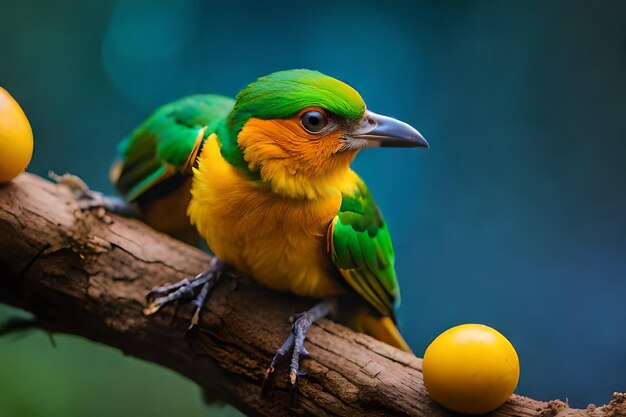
(281, 242)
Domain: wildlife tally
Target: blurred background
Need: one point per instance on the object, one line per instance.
(516, 216)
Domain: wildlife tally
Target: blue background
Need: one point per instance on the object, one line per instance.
(514, 218)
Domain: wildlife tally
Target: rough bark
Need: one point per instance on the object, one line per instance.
(87, 274)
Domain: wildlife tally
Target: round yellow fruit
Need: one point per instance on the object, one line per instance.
(16, 138)
(470, 369)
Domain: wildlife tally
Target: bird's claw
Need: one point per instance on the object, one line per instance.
(266, 377)
(165, 289)
(293, 384)
(152, 307)
(160, 296)
(295, 342)
(184, 289)
(85, 197)
(88, 199)
(73, 182)
(195, 319)
(295, 375)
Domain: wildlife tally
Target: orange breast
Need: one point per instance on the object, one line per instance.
(279, 241)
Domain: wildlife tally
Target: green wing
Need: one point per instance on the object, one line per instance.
(361, 248)
(166, 144)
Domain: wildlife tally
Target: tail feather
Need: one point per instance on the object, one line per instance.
(381, 328)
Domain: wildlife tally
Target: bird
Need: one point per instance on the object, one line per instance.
(265, 180)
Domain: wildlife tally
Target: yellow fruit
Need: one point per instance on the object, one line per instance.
(471, 369)
(16, 138)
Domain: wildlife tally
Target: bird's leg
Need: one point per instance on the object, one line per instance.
(301, 324)
(187, 288)
(88, 199)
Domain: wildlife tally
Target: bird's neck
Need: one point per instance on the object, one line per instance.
(294, 166)
(287, 181)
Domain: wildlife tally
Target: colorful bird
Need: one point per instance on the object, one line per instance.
(266, 180)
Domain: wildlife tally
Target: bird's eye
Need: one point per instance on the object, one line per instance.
(314, 120)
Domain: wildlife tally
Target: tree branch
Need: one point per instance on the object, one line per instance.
(87, 275)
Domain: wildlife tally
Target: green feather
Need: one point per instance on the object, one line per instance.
(156, 150)
(281, 95)
(362, 251)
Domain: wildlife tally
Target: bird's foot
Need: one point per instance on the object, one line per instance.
(88, 199)
(187, 288)
(295, 342)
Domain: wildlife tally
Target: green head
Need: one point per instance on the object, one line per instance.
(282, 94)
(298, 125)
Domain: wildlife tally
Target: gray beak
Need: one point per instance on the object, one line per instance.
(381, 131)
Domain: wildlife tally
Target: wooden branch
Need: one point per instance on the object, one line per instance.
(87, 275)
